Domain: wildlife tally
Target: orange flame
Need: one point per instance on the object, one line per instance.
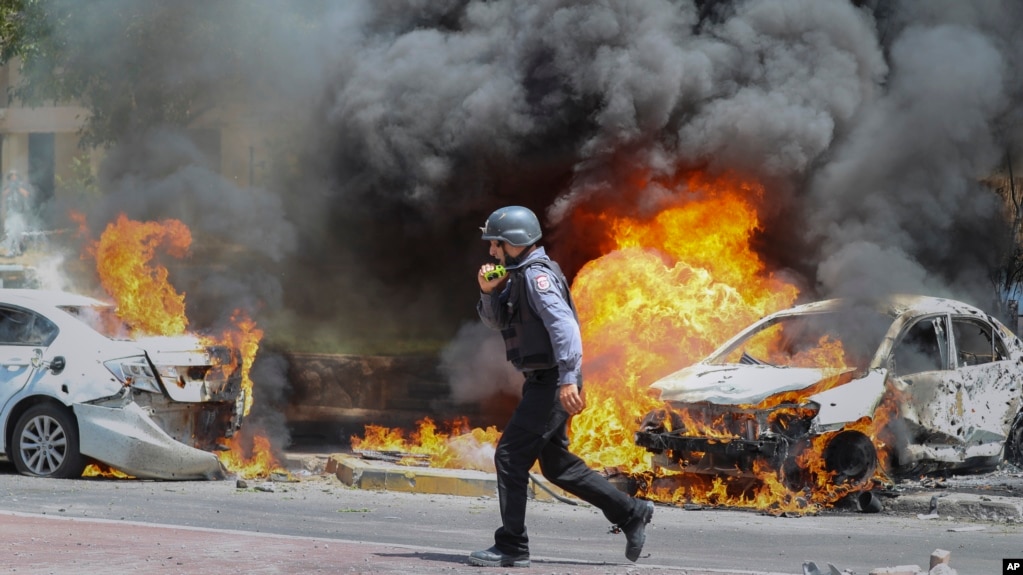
(146, 301)
(665, 293)
(251, 458)
(457, 447)
(144, 297)
(101, 470)
(245, 337)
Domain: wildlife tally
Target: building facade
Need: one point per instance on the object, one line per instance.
(42, 143)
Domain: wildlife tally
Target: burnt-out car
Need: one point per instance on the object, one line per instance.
(838, 390)
(75, 389)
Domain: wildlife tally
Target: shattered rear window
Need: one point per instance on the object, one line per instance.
(845, 338)
(103, 319)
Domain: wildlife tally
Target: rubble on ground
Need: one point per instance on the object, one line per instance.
(939, 565)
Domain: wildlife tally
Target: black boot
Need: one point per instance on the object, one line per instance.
(635, 530)
(493, 557)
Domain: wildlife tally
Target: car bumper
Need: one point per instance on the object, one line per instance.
(127, 439)
(724, 446)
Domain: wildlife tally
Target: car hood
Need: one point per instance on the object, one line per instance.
(736, 384)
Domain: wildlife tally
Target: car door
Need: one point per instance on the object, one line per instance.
(934, 404)
(983, 381)
(22, 332)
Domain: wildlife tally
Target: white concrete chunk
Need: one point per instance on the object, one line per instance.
(940, 556)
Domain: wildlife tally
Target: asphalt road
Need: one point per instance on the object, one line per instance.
(320, 506)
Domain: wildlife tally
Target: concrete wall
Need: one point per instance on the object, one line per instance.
(335, 396)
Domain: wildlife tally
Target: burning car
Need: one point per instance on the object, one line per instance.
(834, 392)
(77, 390)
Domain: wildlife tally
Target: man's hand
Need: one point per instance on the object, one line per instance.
(487, 286)
(571, 399)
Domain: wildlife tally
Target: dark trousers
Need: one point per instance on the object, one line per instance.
(538, 431)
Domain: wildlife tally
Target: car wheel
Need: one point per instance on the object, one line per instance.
(45, 443)
(1014, 442)
(852, 458)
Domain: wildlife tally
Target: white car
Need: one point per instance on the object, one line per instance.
(75, 390)
(905, 386)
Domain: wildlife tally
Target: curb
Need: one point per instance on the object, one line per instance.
(359, 473)
(382, 476)
(960, 506)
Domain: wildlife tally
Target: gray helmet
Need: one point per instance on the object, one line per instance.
(513, 225)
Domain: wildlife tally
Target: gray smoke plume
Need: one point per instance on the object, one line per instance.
(867, 124)
(403, 123)
(475, 365)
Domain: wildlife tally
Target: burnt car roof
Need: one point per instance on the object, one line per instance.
(894, 305)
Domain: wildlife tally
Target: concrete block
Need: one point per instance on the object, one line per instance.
(940, 556)
(381, 476)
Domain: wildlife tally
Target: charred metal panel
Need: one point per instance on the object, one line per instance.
(730, 447)
(993, 398)
(200, 425)
(735, 384)
(127, 439)
(192, 372)
(849, 402)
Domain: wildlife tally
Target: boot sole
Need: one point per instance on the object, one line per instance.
(477, 562)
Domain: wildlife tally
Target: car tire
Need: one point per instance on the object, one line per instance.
(45, 443)
(851, 457)
(1014, 442)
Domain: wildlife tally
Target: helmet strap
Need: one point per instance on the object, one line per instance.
(514, 261)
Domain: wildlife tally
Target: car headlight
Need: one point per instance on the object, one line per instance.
(169, 373)
(134, 372)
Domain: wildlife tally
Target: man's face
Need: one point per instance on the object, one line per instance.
(500, 251)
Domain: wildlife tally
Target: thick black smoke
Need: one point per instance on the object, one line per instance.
(871, 127)
(403, 123)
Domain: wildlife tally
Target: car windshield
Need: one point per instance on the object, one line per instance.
(846, 338)
(102, 318)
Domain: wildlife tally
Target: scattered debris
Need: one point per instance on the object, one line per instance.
(810, 568)
(399, 457)
(897, 570)
(869, 502)
(550, 492)
(967, 528)
(283, 476)
(940, 557)
(932, 511)
(939, 565)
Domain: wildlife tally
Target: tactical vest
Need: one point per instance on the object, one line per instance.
(526, 341)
